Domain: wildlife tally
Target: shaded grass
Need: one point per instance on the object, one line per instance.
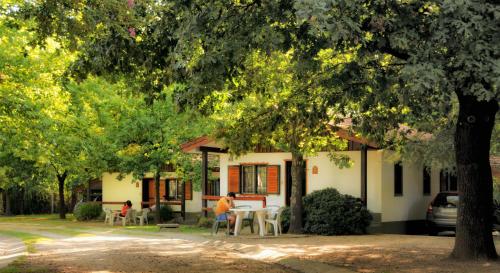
(45, 218)
(28, 239)
(193, 229)
(21, 266)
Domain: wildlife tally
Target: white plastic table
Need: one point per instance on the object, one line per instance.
(240, 214)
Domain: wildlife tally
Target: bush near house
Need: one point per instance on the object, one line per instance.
(87, 211)
(285, 220)
(205, 222)
(166, 213)
(327, 212)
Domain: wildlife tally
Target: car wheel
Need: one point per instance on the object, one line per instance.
(432, 231)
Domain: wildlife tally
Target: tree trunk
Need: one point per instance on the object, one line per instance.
(73, 200)
(2, 203)
(157, 197)
(88, 191)
(475, 184)
(296, 209)
(7, 202)
(51, 202)
(62, 206)
(20, 201)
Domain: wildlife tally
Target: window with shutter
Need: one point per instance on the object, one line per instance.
(234, 179)
(188, 190)
(273, 179)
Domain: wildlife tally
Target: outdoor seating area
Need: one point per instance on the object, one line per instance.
(114, 216)
(268, 220)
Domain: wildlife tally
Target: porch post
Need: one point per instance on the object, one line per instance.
(204, 180)
(183, 201)
(364, 170)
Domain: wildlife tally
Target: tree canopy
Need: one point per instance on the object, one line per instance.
(403, 63)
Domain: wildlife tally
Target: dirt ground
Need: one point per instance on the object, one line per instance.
(170, 251)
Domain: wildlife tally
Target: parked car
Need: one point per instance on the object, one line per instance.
(442, 212)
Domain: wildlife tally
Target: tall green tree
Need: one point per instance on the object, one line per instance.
(425, 53)
(287, 105)
(149, 135)
(43, 119)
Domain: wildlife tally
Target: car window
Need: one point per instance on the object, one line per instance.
(446, 199)
(452, 199)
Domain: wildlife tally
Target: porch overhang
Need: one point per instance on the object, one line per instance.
(203, 144)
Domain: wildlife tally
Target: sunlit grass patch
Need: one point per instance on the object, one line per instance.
(34, 218)
(65, 231)
(149, 228)
(29, 239)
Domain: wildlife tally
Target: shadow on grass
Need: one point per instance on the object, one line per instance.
(21, 266)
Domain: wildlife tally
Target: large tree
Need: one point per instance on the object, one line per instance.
(413, 56)
(285, 104)
(148, 136)
(426, 53)
(47, 121)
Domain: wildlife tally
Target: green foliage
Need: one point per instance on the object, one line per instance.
(166, 213)
(496, 188)
(87, 211)
(205, 222)
(327, 212)
(285, 219)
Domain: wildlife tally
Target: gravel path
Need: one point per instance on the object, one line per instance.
(170, 251)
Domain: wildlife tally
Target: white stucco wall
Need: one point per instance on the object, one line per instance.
(195, 204)
(374, 181)
(346, 180)
(114, 190)
(413, 203)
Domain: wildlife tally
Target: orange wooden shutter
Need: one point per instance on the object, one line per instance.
(163, 190)
(188, 190)
(273, 179)
(152, 191)
(234, 179)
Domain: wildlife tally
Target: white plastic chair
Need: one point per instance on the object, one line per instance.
(143, 216)
(128, 218)
(248, 218)
(110, 217)
(275, 221)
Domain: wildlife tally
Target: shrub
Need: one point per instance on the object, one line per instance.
(285, 220)
(327, 212)
(87, 211)
(205, 222)
(166, 213)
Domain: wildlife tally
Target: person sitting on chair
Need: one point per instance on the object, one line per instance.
(223, 206)
(126, 206)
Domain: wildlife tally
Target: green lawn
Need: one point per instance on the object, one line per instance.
(70, 227)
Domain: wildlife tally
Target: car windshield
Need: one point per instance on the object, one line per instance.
(446, 200)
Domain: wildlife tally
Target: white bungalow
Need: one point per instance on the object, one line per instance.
(397, 195)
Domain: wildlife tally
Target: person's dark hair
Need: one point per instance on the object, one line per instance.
(129, 203)
(231, 194)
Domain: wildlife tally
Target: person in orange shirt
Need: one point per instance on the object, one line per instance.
(223, 206)
(126, 206)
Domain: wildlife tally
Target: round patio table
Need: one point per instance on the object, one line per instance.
(240, 214)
